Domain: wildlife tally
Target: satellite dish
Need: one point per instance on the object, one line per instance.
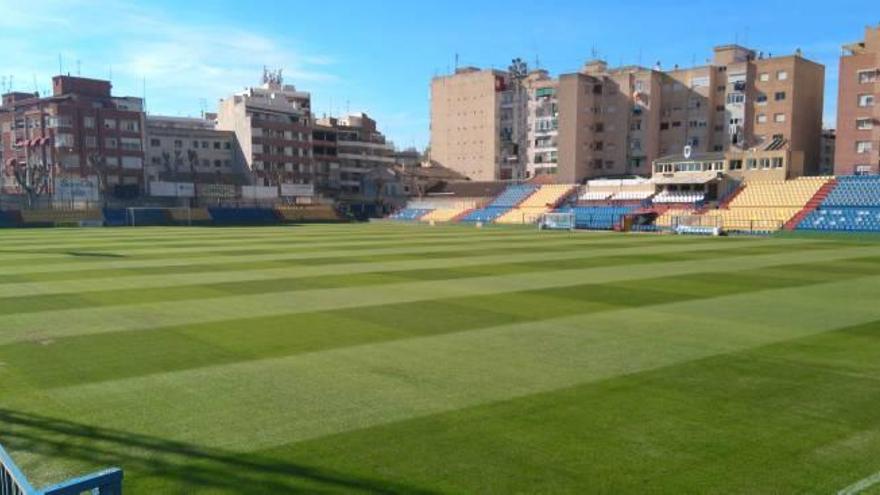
(688, 151)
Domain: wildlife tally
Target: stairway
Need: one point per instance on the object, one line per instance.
(725, 204)
(812, 205)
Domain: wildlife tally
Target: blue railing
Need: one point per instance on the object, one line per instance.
(13, 482)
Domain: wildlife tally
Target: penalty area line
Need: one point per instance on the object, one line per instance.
(861, 485)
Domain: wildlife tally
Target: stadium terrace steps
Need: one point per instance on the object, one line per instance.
(852, 204)
(812, 205)
(512, 197)
(544, 200)
(766, 206)
(410, 214)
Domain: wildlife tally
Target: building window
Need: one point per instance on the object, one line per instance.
(782, 75)
(864, 146)
(865, 124)
(91, 142)
(216, 145)
(779, 118)
(129, 125)
(155, 143)
(780, 96)
(178, 143)
(736, 164)
(764, 77)
(761, 99)
(89, 122)
(868, 76)
(109, 124)
(866, 100)
(777, 162)
(762, 118)
(752, 163)
(111, 143)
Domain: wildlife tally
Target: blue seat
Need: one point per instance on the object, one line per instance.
(598, 217)
(509, 199)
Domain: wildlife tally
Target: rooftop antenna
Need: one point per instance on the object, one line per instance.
(203, 106)
(78, 67)
(456, 61)
(36, 88)
(60, 65)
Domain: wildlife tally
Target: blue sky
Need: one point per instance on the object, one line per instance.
(379, 57)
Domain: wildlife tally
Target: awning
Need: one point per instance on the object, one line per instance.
(686, 178)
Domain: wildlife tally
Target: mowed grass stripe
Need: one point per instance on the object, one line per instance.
(734, 423)
(287, 254)
(170, 237)
(325, 393)
(54, 324)
(145, 248)
(566, 258)
(184, 347)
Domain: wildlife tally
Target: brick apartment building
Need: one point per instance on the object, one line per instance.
(605, 121)
(81, 130)
(858, 111)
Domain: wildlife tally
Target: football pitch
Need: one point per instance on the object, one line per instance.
(389, 358)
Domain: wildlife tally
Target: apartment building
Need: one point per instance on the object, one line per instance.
(466, 131)
(360, 150)
(80, 131)
(858, 112)
(191, 150)
(272, 125)
(608, 121)
(542, 124)
(828, 150)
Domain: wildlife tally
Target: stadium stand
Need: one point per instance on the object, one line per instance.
(59, 218)
(410, 214)
(309, 213)
(142, 217)
(852, 205)
(190, 216)
(667, 218)
(9, 219)
(598, 217)
(544, 200)
(601, 192)
(669, 197)
(14, 482)
(115, 217)
(766, 206)
(509, 199)
(244, 216)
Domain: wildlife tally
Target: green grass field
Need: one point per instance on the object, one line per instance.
(408, 359)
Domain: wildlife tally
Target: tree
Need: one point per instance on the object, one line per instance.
(192, 159)
(32, 177)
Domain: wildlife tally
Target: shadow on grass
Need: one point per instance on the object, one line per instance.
(80, 254)
(174, 466)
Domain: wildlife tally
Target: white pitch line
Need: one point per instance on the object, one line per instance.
(862, 485)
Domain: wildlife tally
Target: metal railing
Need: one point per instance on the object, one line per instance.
(14, 482)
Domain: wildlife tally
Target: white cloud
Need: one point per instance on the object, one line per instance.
(181, 62)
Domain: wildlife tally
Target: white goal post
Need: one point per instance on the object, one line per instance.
(557, 221)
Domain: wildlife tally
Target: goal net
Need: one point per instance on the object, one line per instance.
(557, 221)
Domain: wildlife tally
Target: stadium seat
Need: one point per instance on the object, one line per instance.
(852, 206)
(510, 198)
(542, 201)
(598, 217)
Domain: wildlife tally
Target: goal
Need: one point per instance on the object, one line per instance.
(557, 221)
(156, 216)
